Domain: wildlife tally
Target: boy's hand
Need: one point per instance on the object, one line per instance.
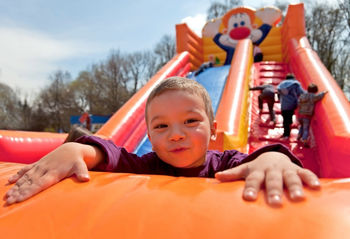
(275, 170)
(63, 162)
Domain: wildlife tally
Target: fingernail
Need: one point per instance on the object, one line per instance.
(316, 183)
(275, 199)
(250, 194)
(84, 177)
(10, 200)
(297, 194)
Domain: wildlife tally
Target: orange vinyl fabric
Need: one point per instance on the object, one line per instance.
(119, 205)
(187, 40)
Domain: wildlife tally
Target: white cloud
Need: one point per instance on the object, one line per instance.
(29, 57)
(196, 23)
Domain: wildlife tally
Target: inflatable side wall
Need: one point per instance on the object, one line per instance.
(27, 147)
(232, 114)
(331, 122)
(187, 40)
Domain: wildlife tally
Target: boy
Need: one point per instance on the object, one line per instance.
(306, 103)
(267, 95)
(288, 92)
(180, 124)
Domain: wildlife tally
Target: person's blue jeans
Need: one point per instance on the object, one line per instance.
(304, 128)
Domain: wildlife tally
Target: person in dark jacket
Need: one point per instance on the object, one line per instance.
(289, 91)
(267, 95)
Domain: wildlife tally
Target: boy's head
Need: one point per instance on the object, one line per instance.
(180, 122)
(290, 77)
(312, 88)
(183, 84)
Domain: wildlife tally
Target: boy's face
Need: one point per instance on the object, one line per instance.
(179, 128)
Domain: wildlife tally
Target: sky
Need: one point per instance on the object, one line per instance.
(39, 37)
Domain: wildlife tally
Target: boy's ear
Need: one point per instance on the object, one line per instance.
(213, 131)
(149, 137)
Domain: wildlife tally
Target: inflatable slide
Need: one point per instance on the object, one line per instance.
(153, 206)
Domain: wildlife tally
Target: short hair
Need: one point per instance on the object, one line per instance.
(312, 88)
(182, 84)
(290, 76)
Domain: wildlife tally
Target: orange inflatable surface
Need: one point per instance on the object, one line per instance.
(119, 205)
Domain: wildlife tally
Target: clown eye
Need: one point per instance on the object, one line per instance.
(242, 23)
(235, 25)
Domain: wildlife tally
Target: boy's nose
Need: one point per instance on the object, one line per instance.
(176, 134)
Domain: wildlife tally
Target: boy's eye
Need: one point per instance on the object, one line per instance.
(160, 126)
(191, 121)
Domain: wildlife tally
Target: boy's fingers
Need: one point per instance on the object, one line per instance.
(294, 185)
(25, 190)
(81, 172)
(26, 178)
(232, 173)
(274, 187)
(19, 174)
(309, 178)
(21, 190)
(253, 184)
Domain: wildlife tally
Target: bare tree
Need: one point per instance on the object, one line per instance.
(165, 50)
(326, 31)
(58, 102)
(345, 8)
(83, 89)
(218, 9)
(39, 119)
(135, 69)
(103, 89)
(9, 108)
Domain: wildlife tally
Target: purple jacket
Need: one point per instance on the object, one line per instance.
(119, 160)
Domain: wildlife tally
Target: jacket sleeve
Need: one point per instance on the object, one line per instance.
(274, 148)
(117, 159)
(319, 96)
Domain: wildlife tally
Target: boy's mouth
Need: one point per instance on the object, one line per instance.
(178, 150)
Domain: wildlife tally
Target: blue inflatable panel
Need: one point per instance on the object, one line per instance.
(214, 80)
